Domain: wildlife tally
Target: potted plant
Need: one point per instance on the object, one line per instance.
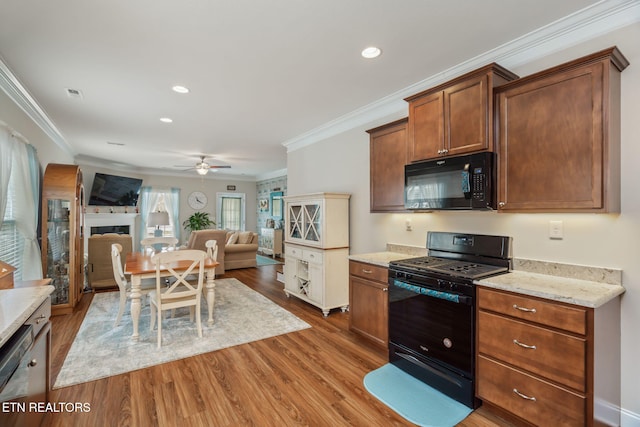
(198, 221)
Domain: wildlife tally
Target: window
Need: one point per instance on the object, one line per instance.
(231, 211)
(11, 240)
(154, 200)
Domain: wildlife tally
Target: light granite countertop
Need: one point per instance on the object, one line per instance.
(585, 293)
(16, 305)
(381, 259)
(575, 284)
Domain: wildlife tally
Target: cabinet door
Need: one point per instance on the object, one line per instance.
(368, 309)
(316, 283)
(551, 142)
(313, 223)
(466, 112)
(426, 127)
(290, 280)
(387, 157)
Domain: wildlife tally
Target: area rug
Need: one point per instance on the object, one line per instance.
(100, 350)
(263, 260)
(413, 399)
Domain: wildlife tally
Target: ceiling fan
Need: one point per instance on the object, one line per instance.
(203, 167)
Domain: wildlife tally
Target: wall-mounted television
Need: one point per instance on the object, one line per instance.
(113, 190)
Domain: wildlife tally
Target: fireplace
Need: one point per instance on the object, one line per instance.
(100, 223)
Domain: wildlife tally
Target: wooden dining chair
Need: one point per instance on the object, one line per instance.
(125, 287)
(158, 243)
(180, 293)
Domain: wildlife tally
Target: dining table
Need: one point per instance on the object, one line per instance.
(140, 266)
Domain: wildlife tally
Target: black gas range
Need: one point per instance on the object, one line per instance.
(432, 308)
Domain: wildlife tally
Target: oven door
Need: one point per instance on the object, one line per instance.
(437, 326)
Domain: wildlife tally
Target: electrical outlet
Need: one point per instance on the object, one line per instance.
(407, 225)
(555, 230)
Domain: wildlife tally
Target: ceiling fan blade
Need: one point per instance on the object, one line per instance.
(219, 167)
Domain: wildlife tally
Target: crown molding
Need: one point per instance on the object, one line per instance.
(586, 24)
(10, 84)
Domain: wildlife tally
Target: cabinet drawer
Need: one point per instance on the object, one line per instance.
(314, 257)
(553, 355)
(368, 271)
(553, 406)
(572, 319)
(293, 251)
(40, 317)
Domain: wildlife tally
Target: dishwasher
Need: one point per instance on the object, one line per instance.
(16, 361)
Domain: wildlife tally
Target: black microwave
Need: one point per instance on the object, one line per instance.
(455, 183)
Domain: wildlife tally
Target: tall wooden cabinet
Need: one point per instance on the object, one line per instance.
(559, 137)
(316, 266)
(455, 117)
(387, 157)
(62, 234)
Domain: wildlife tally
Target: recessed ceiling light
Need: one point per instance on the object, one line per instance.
(371, 52)
(166, 120)
(180, 89)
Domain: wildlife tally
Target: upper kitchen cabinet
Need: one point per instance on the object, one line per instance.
(559, 137)
(455, 117)
(387, 156)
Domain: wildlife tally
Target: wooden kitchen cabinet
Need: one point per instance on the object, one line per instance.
(369, 302)
(387, 157)
(530, 364)
(455, 117)
(558, 134)
(62, 234)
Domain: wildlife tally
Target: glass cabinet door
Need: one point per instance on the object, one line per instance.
(295, 221)
(58, 245)
(312, 223)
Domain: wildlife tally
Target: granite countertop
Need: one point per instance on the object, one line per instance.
(585, 293)
(16, 305)
(574, 284)
(381, 259)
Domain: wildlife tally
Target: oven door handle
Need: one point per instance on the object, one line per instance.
(447, 296)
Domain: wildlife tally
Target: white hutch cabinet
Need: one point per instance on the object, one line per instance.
(317, 249)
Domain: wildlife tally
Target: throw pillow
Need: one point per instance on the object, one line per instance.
(233, 239)
(245, 237)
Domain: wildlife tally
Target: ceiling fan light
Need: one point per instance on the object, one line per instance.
(202, 170)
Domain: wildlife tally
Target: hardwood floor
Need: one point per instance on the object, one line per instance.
(311, 377)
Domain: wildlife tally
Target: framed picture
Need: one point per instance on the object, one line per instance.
(264, 205)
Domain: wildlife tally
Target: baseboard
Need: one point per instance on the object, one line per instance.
(629, 419)
(612, 415)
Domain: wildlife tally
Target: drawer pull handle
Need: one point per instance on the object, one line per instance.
(524, 396)
(367, 271)
(528, 310)
(40, 319)
(530, 347)
(33, 363)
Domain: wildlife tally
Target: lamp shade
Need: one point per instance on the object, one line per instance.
(157, 218)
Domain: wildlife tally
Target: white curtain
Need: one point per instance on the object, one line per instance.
(148, 202)
(20, 167)
(172, 204)
(6, 159)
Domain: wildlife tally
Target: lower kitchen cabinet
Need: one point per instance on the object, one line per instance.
(369, 301)
(536, 357)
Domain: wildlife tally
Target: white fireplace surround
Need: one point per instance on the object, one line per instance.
(110, 220)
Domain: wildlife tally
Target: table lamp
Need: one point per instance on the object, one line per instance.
(156, 219)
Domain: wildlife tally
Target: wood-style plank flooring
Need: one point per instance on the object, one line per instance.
(310, 378)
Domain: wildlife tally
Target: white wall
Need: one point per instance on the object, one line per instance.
(48, 151)
(208, 186)
(341, 163)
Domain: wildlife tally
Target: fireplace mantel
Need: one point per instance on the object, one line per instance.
(110, 219)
